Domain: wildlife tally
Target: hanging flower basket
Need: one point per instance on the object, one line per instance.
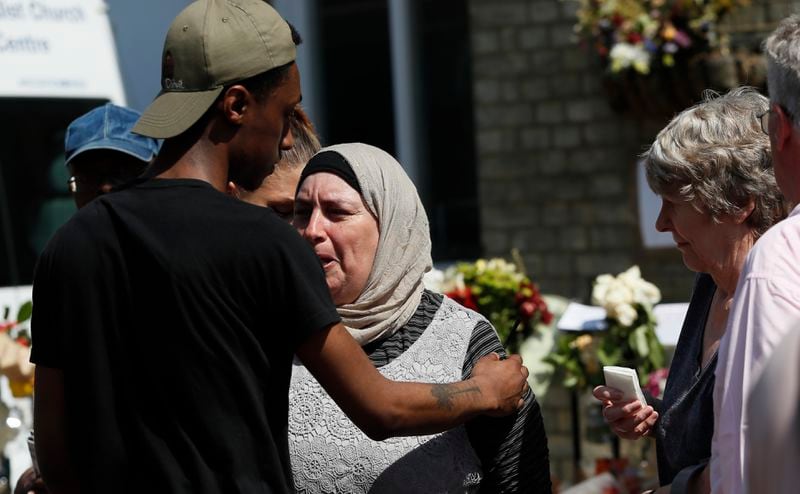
(660, 55)
(665, 91)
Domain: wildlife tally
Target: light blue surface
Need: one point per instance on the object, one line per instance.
(139, 29)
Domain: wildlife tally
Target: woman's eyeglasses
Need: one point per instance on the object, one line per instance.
(764, 119)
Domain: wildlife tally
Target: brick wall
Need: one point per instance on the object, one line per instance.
(556, 165)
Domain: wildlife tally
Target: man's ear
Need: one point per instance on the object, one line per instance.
(234, 103)
(780, 127)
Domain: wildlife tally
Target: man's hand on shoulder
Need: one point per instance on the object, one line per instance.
(503, 383)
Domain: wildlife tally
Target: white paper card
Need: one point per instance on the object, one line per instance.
(626, 380)
(579, 317)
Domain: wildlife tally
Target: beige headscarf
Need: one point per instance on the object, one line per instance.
(394, 287)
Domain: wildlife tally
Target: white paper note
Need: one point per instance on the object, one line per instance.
(626, 380)
(579, 317)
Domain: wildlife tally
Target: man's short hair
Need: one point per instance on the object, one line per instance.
(782, 48)
(108, 127)
(210, 45)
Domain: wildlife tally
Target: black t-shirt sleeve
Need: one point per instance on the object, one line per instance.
(48, 314)
(306, 305)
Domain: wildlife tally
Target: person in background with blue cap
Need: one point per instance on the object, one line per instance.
(102, 152)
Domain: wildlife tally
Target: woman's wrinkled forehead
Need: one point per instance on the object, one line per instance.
(331, 162)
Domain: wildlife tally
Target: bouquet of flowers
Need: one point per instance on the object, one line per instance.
(18, 331)
(499, 291)
(630, 339)
(637, 34)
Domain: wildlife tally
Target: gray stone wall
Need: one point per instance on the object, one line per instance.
(557, 166)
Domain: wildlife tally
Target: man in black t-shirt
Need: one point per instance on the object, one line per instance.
(166, 315)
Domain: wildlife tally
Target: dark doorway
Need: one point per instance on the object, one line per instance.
(358, 96)
(34, 198)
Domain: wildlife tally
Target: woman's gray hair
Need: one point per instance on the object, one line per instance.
(782, 48)
(716, 156)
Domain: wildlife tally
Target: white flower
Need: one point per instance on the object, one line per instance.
(495, 264)
(453, 281)
(631, 276)
(434, 280)
(644, 292)
(650, 293)
(625, 314)
(601, 286)
(501, 265)
(620, 295)
(625, 55)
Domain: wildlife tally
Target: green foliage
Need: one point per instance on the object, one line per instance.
(628, 341)
(582, 355)
(17, 329)
(503, 294)
(25, 311)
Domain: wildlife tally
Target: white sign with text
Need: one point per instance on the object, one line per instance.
(58, 49)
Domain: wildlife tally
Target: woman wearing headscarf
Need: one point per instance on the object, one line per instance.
(362, 214)
(712, 167)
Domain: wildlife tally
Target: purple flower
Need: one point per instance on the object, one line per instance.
(682, 39)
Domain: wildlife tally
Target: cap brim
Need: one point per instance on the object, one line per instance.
(141, 153)
(172, 113)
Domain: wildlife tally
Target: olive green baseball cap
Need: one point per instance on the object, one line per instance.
(211, 44)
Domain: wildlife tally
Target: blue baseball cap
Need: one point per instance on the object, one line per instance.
(108, 127)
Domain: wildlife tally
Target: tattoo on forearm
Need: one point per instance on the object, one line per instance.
(444, 393)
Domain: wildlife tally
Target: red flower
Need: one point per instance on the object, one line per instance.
(527, 309)
(530, 302)
(634, 38)
(655, 381)
(6, 326)
(23, 341)
(464, 297)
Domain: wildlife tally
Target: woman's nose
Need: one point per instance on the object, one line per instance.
(314, 230)
(663, 223)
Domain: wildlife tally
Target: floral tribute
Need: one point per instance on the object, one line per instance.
(499, 291)
(639, 34)
(18, 331)
(630, 339)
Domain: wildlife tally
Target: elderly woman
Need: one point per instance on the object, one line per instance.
(363, 216)
(712, 167)
(278, 188)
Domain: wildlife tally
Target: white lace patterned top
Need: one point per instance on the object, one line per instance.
(330, 454)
